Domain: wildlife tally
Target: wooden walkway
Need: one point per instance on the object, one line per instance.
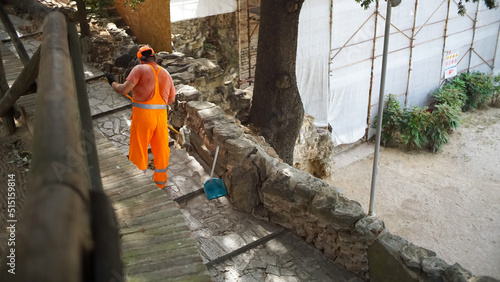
(11, 64)
(157, 244)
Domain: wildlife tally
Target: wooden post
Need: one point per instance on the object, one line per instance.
(442, 78)
(471, 50)
(11, 30)
(412, 40)
(23, 82)
(370, 92)
(8, 118)
(105, 261)
(55, 233)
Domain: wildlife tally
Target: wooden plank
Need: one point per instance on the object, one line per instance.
(122, 174)
(151, 217)
(154, 237)
(182, 261)
(105, 146)
(157, 226)
(181, 272)
(141, 209)
(142, 198)
(110, 153)
(111, 161)
(123, 190)
(172, 245)
(129, 181)
(170, 255)
(116, 167)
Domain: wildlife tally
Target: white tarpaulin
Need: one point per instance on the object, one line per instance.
(339, 54)
(190, 9)
(345, 92)
(313, 49)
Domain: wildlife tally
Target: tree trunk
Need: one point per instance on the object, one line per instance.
(82, 18)
(276, 106)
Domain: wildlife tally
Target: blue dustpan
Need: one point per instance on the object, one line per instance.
(214, 187)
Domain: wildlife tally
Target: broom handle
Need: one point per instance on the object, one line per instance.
(215, 160)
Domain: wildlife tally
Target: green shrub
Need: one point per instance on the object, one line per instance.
(495, 100)
(391, 121)
(98, 6)
(413, 127)
(479, 89)
(443, 119)
(452, 93)
(419, 127)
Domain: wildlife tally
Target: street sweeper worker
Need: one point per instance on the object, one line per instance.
(152, 90)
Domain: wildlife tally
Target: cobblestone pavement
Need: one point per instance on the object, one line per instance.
(234, 245)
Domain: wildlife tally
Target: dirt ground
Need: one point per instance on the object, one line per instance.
(448, 202)
(15, 157)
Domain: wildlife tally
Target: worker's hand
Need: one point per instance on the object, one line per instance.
(109, 78)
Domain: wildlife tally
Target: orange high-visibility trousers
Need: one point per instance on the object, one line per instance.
(149, 127)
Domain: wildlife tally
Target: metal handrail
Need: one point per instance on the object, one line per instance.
(68, 230)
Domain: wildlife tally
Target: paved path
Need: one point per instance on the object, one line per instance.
(234, 246)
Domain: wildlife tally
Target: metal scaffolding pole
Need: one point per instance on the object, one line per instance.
(412, 46)
(473, 36)
(371, 72)
(390, 4)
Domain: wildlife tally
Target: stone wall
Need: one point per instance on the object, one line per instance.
(213, 37)
(314, 150)
(260, 183)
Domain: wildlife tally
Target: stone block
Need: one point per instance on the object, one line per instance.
(187, 93)
(205, 67)
(174, 69)
(193, 107)
(238, 149)
(367, 229)
(212, 113)
(183, 77)
(215, 98)
(456, 273)
(347, 213)
(123, 60)
(433, 268)
(384, 259)
(265, 164)
(242, 186)
(260, 212)
(224, 130)
(280, 219)
(323, 204)
(278, 184)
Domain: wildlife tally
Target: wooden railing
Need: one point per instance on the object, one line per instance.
(68, 230)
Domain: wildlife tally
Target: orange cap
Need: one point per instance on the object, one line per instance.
(145, 52)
